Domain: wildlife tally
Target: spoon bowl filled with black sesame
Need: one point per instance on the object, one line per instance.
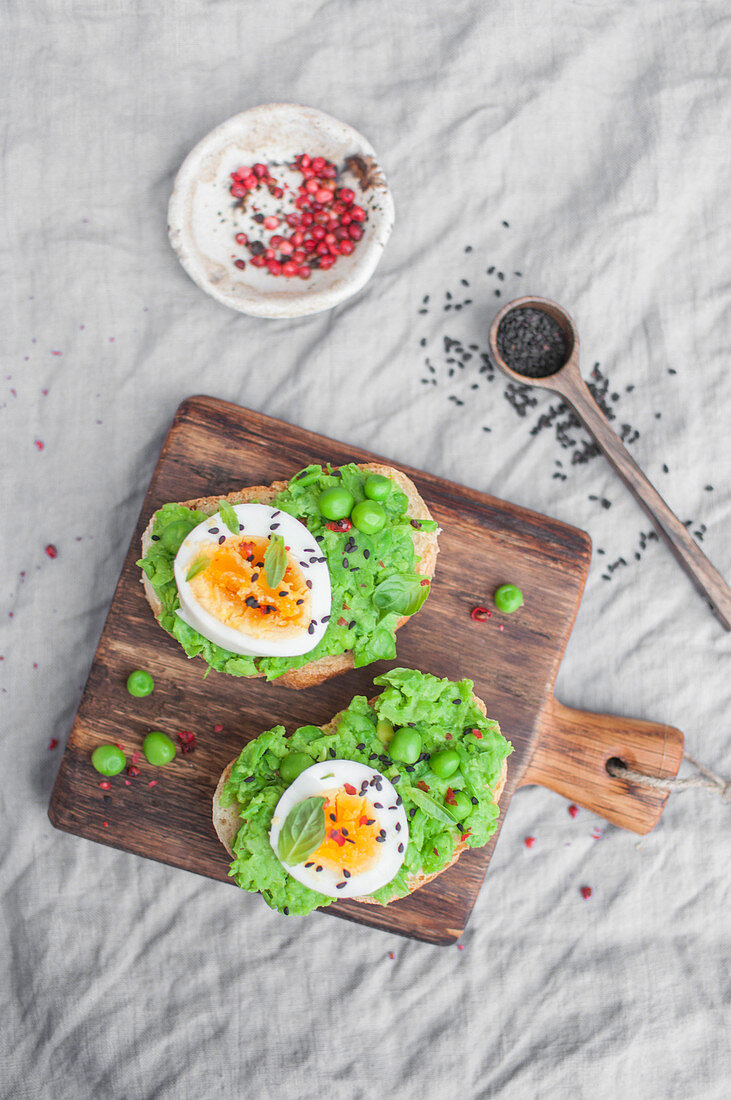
(534, 341)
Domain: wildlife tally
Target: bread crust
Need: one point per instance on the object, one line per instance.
(227, 820)
(316, 672)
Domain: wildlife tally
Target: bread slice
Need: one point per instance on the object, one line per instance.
(425, 544)
(227, 821)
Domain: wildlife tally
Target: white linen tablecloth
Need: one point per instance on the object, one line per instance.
(583, 145)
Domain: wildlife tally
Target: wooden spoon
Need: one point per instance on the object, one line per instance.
(568, 382)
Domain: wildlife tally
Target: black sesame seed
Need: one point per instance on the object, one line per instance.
(332, 753)
(380, 840)
(273, 526)
(408, 767)
(254, 577)
(456, 702)
(251, 601)
(275, 514)
(346, 872)
(361, 748)
(349, 841)
(351, 624)
(397, 779)
(412, 811)
(284, 592)
(311, 628)
(318, 868)
(344, 832)
(378, 805)
(366, 554)
(399, 799)
(474, 801)
(155, 538)
(241, 527)
(212, 530)
(313, 560)
(310, 864)
(381, 832)
(319, 538)
(286, 911)
(309, 584)
(372, 756)
(398, 826)
(345, 564)
(298, 603)
(250, 779)
(339, 885)
(321, 559)
(250, 557)
(333, 817)
(400, 848)
(370, 821)
(221, 540)
(325, 619)
(260, 565)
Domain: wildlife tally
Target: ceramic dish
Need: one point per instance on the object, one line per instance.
(204, 218)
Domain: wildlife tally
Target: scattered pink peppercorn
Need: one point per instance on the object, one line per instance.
(53, 743)
(38, 443)
(573, 810)
(218, 729)
(529, 841)
(51, 551)
(586, 892)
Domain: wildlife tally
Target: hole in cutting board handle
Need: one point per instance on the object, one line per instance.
(617, 762)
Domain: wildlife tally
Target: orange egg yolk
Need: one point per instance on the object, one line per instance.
(351, 827)
(233, 588)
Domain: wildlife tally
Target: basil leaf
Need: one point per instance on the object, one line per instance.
(275, 560)
(403, 593)
(426, 803)
(228, 515)
(303, 831)
(200, 563)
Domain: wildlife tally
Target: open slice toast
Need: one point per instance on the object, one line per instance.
(227, 820)
(323, 668)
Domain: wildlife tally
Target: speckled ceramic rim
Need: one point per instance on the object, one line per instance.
(326, 136)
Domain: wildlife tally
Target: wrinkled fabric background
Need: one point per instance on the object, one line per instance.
(599, 132)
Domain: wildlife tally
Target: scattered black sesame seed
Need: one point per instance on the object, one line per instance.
(398, 826)
(319, 867)
(408, 767)
(378, 805)
(346, 872)
(273, 526)
(332, 754)
(241, 527)
(298, 603)
(400, 848)
(284, 592)
(319, 538)
(665, 469)
(398, 796)
(250, 779)
(221, 540)
(468, 248)
(351, 624)
(286, 911)
(212, 530)
(344, 832)
(339, 885)
(366, 554)
(474, 801)
(310, 864)
(255, 576)
(412, 811)
(507, 225)
(333, 817)
(346, 564)
(251, 601)
(155, 538)
(361, 748)
(309, 584)
(380, 840)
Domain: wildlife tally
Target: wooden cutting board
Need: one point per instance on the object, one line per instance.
(214, 447)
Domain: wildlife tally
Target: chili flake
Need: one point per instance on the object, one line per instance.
(422, 785)
(573, 810)
(52, 744)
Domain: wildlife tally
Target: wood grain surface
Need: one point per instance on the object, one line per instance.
(216, 447)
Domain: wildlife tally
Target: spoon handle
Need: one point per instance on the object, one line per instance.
(705, 576)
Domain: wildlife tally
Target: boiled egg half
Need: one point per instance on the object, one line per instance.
(366, 830)
(224, 592)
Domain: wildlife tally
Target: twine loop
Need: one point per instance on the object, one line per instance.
(707, 779)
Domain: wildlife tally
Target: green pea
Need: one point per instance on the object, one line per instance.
(335, 503)
(140, 683)
(158, 748)
(461, 807)
(405, 745)
(444, 763)
(384, 731)
(508, 598)
(377, 487)
(174, 534)
(293, 765)
(108, 759)
(369, 517)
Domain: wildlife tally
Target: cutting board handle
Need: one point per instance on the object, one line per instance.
(571, 757)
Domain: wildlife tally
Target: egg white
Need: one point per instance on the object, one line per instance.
(390, 816)
(256, 521)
